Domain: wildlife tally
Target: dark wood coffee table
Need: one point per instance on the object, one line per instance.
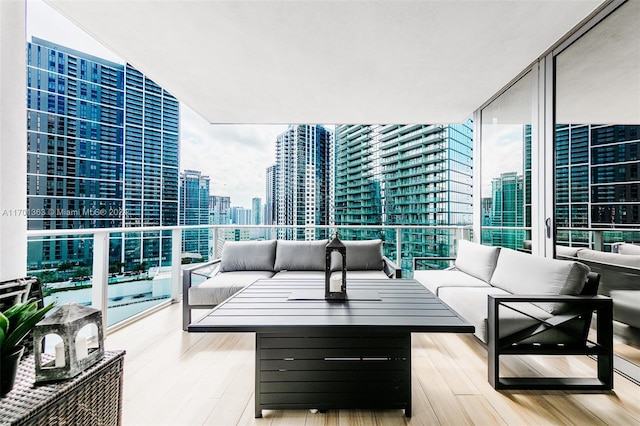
(315, 354)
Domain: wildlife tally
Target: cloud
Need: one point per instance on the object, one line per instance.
(235, 157)
(46, 23)
(502, 152)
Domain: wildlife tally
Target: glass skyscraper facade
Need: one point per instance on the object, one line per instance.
(597, 180)
(194, 210)
(102, 153)
(303, 181)
(404, 175)
(270, 192)
(506, 211)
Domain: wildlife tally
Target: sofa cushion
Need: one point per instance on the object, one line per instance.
(472, 304)
(433, 280)
(361, 256)
(369, 274)
(300, 255)
(611, 258)
(522, 273)
(625, 307)
(223, 285)
(300, 275)
(248, 256)
(319, 275)
(626, 248)
(476, 260)
(567, 251)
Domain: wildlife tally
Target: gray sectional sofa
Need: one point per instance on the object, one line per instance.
(243, 262)
(619, 277)
(522, 304)
(480, 271)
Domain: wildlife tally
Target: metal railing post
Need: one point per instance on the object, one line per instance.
(176, 263)
(100, 279)
(598, 240)
(399, 247)
(216, 236)
(465, 234)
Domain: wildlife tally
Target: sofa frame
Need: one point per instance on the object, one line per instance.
(573, 323)
(582, 308)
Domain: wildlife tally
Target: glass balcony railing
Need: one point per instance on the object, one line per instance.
(128, 272)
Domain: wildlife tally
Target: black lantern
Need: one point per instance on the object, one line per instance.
(335, 274)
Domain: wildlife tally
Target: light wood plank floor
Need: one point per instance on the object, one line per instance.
(178, 378)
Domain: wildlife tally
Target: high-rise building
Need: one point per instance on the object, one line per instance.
(303, 181)
(404, 175)
(194, 210)
(256, 210)
(241, 216)
(269, 210)
(507, 211)
(219, 207)
(597, 180)
(102, 152)
(219, 210)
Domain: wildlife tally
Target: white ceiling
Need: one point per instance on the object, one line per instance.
(284, 62)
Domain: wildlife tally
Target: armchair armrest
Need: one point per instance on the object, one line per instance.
(186, 284)
(391, 269)
(579, 312)
(194, 270)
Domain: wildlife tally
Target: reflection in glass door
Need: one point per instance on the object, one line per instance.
(597, 155)
(506, 168)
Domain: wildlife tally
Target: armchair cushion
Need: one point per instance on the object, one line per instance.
(433, 280)
(471, 304)
(300, 255)
(222, 286)
(248, 256)
(567, 251)
(522, 273)
(476, 259)
(611, 258)
(627, 248)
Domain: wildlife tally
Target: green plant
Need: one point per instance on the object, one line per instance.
(17, 321)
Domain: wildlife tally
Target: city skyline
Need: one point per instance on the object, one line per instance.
(219, 151)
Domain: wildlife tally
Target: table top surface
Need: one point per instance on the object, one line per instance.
(288, 305)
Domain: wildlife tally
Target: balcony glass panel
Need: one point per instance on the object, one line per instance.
(506, 167)
(596, 142)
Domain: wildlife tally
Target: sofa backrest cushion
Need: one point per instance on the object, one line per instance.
(365, 255)
(477, 260)
(567, 251)
(248, 256)
(626, 248)
(612, 258)
(300, 255)
(523, 273)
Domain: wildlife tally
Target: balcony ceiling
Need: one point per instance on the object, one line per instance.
(329, 61)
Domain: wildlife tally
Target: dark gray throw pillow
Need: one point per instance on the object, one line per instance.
(248, 256)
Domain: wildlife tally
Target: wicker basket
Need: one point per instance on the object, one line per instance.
(94, 397)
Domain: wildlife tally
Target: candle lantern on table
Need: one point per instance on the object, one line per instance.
(76, 352)
(335, 277)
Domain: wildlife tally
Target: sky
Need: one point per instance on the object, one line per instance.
(235, 157)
